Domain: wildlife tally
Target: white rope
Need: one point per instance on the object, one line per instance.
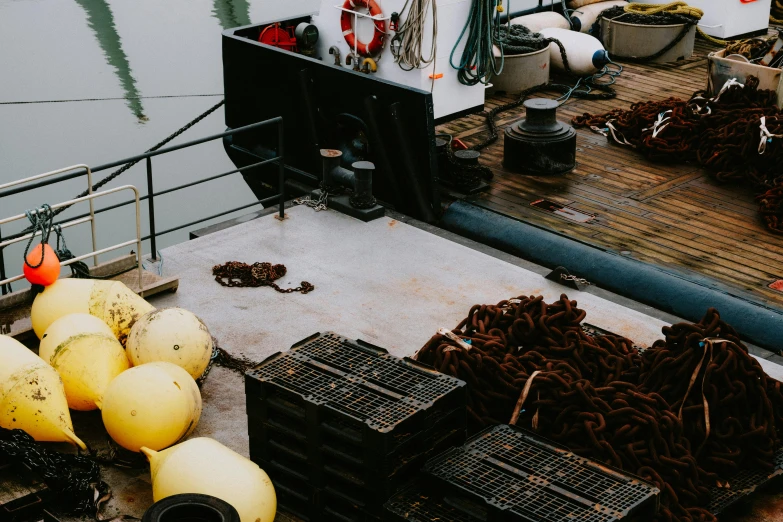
(766, 136)
(729, 83)
(411, 33)
(660, 124)
(615, 132)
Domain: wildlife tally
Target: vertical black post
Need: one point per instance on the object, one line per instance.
(2, 268)
(281, 167)
(151, 207)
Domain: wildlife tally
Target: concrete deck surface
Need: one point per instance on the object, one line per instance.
(385, 282)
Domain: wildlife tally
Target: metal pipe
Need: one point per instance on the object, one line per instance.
(19, 239)
(92, 217)
(180, 187)
(330, 160)
(336, 52)
(648, 284)
(281, 170)
(151, 210)
(362, 185)
(423, 208)
(505, 17)
(3, 288)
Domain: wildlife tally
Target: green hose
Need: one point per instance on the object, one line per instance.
(478, 63)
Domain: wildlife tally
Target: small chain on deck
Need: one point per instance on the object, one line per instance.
(238, 274)
(221, 357)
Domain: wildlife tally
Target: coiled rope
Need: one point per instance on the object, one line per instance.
(410, 35)
(477, 63)
(673, 13)
(776, 14)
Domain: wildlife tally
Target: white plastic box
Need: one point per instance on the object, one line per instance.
(721, 69)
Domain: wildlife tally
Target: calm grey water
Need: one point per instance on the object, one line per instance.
(133, 50)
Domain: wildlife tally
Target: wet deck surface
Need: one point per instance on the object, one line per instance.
(674, 216)
(386, 282)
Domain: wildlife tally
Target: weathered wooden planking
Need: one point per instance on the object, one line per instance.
(675, 216)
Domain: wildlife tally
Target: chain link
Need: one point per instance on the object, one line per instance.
(221, 357)
(238, 274)
(580, 280)
(74, 480)
(318, 204)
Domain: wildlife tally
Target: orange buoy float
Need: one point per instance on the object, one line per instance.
(346, 24)
(42, 267)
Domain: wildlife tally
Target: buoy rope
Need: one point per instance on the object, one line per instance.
(40, 221)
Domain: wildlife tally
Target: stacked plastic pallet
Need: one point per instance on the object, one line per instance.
(507, 474)
(340, 425)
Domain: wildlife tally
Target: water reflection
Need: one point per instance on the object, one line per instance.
(101, 21)
(231, 13)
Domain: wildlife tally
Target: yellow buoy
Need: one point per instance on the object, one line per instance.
(32, 397)
(85, 353)
(120, 308)
(154, 405)
(174, 335)
(111, 301)
(205, 466)
(63, 297)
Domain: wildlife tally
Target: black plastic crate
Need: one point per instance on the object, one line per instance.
(328, 386)
(418, 502)
(276, 438)
(298, 498)
(363, 485)
(742, 485)
(515, 475)
(23, 495)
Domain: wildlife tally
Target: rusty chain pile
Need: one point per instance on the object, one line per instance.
(736, 135)
(530, 363)
(771, 207)
(235, 273)
(720, 393)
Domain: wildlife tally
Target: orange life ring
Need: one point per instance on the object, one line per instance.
(346, 23)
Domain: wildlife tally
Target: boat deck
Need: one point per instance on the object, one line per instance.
(674, 216)
(392, 282)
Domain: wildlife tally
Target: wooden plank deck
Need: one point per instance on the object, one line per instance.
(673, 216)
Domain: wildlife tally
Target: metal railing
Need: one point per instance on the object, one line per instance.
(38, 181)
(78, 221)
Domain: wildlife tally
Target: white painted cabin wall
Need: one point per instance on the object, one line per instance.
(449, 96)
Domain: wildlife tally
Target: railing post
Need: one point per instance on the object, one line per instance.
(151, 207)
(2, 268)
(281, 167)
